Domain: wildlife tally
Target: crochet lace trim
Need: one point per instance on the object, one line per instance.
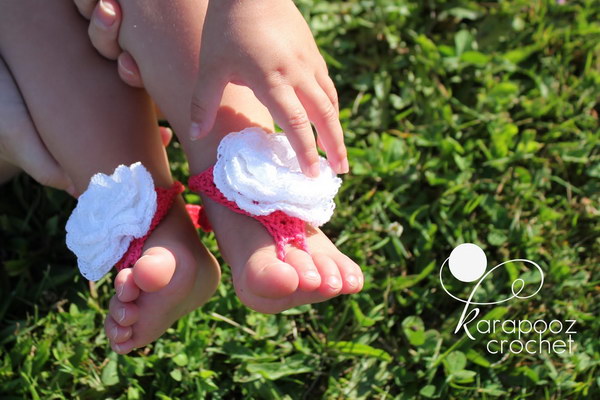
(164, 202)
(283, 228)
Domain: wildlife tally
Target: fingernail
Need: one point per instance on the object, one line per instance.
(345, 166)
(312, 275)
(333, 282)
(124, 67)
(108, 15)
(314, 170)
(120, 289)
(115, 332)
(352, 281)
(195, 130)
(122, 316)
(117, 348)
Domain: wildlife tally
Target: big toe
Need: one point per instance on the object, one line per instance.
(266, 276)
(154, 270)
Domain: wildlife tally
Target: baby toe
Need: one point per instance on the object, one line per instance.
(331, 280)
(127, 289)
(123, 347)
(154, 270)
(308, 274)
(266, 276)
(116, 333)
(352, 276)
(124, 314)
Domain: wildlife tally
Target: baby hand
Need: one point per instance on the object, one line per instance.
(267, 46)
(105, 21)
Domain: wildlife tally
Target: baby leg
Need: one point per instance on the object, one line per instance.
(20, 144)
(264, 283)
(91, 122)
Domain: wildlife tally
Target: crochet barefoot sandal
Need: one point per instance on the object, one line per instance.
(115, 216)
(257, 174)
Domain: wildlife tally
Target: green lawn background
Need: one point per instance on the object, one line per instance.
(466, 122)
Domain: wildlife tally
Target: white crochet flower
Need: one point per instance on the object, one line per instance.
(260, 173)
(111, 212)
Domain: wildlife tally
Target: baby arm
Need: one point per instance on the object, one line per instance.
(265, 45)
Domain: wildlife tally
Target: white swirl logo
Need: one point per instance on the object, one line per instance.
(468, 263)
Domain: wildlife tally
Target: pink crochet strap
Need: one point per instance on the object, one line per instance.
(164, 202)
(198, 217)
(283, 228)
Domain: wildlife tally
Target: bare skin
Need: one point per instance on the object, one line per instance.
(265, 45)
(98, 124)
(262, 282)
(20, 145)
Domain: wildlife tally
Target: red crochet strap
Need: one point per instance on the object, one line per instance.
(198, 216)
(164, 201)
(283, 228)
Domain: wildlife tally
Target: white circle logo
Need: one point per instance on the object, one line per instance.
(467, 262)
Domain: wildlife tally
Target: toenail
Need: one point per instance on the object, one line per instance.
(334, 282)
(108, 17)
(122, 317)
(352, 280)
(312, 275)
(141, 259)
(125, 66)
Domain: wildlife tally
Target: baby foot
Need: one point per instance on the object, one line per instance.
(269, 285)
(175, 275)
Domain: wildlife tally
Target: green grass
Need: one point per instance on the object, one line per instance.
(466, 122)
